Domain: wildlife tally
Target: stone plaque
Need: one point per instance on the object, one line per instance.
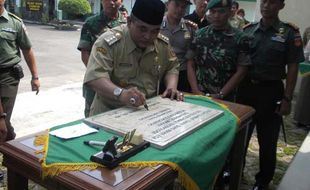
(166, 121)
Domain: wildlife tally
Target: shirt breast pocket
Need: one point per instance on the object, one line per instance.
(276, 53)
(8, 36)
(125, 70)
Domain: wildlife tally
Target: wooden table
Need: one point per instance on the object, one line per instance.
(23, 164)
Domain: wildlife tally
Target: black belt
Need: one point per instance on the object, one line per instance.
(265, 82)
(6, 69)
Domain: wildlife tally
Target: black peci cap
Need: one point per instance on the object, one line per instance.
(149, 11)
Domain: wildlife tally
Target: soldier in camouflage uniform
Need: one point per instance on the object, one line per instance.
(91, 30)
(218, 56)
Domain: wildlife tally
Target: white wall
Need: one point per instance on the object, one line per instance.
(295, 11)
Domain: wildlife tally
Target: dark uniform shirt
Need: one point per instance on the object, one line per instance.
(13, 36)
(216, 54)
(95, 26)
(273, 48)
(195, 18)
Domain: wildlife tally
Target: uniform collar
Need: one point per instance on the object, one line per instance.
(132, 46)
(5, 15)
(165, 24)
(228, 31)
(119, 17)
(275, 25)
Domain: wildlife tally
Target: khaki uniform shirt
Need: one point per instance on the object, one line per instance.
(237, 22)
(116, 57)
(13, 37)
(179, 39)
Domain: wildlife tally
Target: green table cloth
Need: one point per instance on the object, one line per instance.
(198, 158)
(304, 68)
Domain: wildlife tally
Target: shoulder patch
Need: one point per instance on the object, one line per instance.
(163, 38)
(292, 25)
(112, 37)
(191, 24)
(14, 16)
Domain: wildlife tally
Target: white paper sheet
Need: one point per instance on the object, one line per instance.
(73, 131)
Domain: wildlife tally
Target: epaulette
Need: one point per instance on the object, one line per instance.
(249, 24)
(112, 37)
(191, 24)
(292, 25)
(16, 17)
(163, 38)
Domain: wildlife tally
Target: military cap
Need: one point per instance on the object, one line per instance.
(218, 3)
(188, 2)
(149, 11)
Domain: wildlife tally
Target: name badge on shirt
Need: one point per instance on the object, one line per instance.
(187, 35)
(278, 38)
(8, 30)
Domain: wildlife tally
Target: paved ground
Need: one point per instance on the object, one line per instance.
(61, 73)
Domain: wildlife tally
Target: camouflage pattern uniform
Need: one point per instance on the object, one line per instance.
(91, 30)
(216, 54)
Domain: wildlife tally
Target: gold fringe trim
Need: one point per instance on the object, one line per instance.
(184, 179)
(58, 168)
(40, 139)
(39, 151)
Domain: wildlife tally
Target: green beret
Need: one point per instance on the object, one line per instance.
(218, 3)
(149, 11)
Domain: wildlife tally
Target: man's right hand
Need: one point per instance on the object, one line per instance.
(3, 130)
(132, 97)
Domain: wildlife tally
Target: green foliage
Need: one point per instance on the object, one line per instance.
(75, 7)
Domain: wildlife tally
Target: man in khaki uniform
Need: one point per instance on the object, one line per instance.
(13, 38)
(127, 62)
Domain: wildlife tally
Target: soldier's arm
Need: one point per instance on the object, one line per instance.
(233, 82)
(191, 77)
(294, 57)
(171, 90)
(32, 65)
(3, 130)
(85, 43)
(85, 56)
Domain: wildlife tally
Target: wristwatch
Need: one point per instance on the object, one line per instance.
(3, 115)
(117, 92)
